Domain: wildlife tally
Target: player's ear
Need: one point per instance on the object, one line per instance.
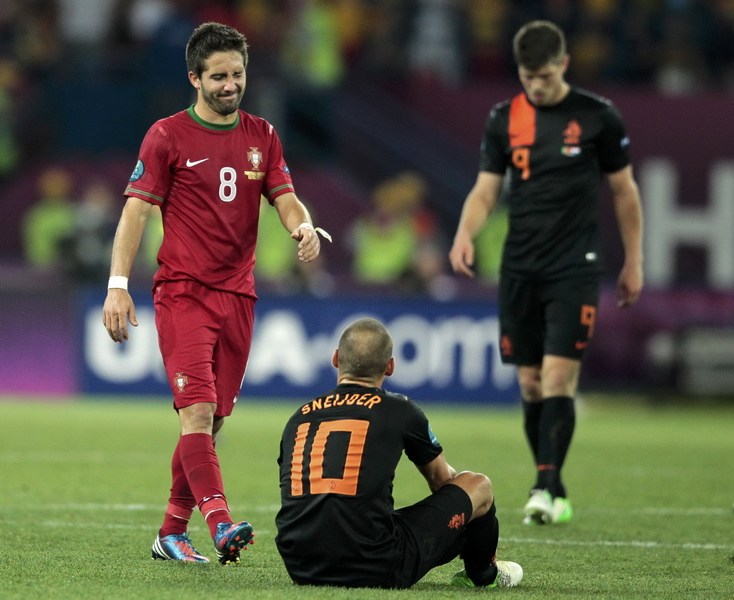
(194, 80)
(335, 359)
(390, 367)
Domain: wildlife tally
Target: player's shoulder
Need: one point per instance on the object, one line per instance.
(500, 108)
(402, 403)
(167, 127)
(396, 397)
(175, 120)
(587, 99)
(250, 121)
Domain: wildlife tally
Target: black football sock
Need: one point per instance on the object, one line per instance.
(557, 424)
(482, 536)
(531, 422)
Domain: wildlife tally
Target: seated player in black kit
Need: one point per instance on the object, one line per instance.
(338, 525)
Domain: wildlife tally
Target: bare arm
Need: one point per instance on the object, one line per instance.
(119, 306)
(437, 472)
(293, 214)
(628, 210)
(479, 204)
(478, 487)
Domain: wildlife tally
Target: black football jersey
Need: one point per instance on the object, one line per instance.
(337, 461)
(554, 157)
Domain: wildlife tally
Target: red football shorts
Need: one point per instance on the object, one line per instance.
(204, 337)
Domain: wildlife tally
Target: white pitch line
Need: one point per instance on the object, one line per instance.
(503, 539)
(132, 507)
(260, 508)
(272, 508)
(195, 528)
(620, 543)
(657, 511)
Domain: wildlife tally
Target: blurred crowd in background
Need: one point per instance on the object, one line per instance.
(301, 52)
(678, 44)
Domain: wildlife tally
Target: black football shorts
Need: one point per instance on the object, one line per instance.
(546, 317)
(431, 532)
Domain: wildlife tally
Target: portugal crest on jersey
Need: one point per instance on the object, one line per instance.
(256, 159)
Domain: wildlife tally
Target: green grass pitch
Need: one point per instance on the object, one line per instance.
(84, 485)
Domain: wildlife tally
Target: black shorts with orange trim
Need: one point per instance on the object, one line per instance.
(539, 318)
(431, 532)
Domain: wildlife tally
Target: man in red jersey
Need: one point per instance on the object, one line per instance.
(553, 142)
(206, 167)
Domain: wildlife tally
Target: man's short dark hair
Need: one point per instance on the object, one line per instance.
(365, 347)
(537, 44)
(209, 38)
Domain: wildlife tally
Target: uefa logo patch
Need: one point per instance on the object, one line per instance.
(138, 171)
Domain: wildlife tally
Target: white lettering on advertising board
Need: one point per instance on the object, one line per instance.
(438, 352)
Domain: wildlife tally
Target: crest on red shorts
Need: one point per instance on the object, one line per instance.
(180, 381)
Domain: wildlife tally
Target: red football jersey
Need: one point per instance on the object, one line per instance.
(208, 180)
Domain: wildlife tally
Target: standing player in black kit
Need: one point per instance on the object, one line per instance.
(337, 524)
(554, 142)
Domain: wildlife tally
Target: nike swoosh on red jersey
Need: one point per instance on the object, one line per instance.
(193, 163)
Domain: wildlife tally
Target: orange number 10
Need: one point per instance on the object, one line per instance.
(319, 484)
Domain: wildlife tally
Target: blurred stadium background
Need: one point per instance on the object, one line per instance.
(380, 105)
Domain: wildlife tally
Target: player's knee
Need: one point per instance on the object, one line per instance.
(197, 418)
(533, 394)
(479, 488)
(560, 376)
(530, 384)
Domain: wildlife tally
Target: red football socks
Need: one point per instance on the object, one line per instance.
(201, 466)
(181, 502)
